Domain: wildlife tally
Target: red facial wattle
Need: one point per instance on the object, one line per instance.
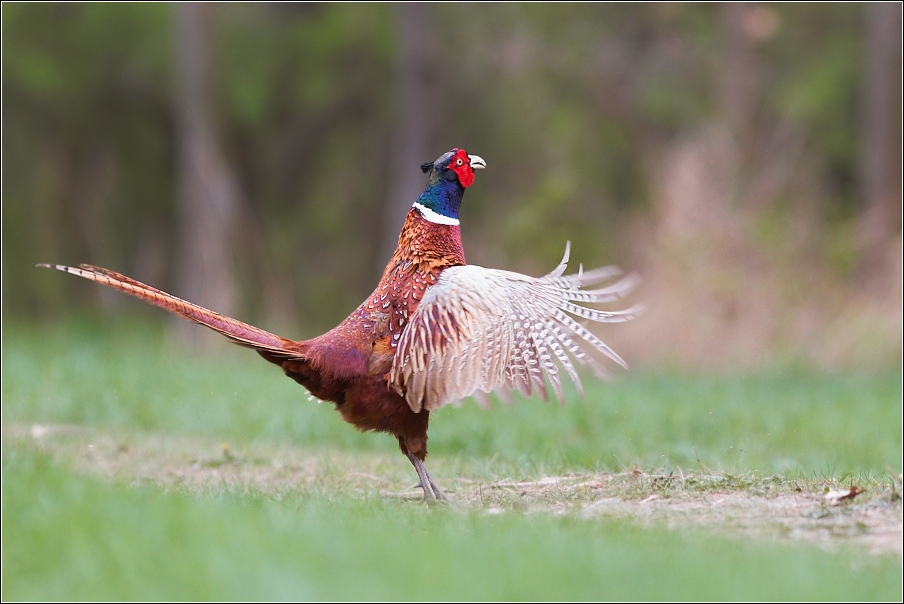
(461, 165)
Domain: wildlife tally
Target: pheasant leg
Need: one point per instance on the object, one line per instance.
(432, 493)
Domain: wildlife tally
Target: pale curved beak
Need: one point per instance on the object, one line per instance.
(477, 162)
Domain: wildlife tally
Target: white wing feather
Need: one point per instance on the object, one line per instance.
(480, 329)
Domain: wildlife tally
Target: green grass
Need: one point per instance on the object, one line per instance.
(70, 537)
(803, 423)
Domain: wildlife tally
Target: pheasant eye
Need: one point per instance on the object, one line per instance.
(458, 162)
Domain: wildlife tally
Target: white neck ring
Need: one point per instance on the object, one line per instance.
(435, 217)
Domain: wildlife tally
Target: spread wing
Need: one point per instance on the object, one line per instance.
(479, 329)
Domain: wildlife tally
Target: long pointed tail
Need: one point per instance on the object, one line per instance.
(240, 333)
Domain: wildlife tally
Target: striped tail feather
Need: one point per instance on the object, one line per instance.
(240, 333)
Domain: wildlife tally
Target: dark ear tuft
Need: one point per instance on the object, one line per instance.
(426, 167)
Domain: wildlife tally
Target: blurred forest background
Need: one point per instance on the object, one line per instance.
(745, 159)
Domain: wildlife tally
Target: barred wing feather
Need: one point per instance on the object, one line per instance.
(480, 329)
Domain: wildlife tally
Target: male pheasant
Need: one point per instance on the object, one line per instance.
(435, 330)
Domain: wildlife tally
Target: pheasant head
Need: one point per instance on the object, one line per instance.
(447, 179)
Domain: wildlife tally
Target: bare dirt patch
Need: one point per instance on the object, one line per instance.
(771, 507)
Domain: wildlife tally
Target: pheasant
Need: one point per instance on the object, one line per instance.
(435, 330)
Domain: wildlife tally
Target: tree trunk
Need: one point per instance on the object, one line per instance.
(411, 148)
(207, 192)
(739, 78)
(879, 100)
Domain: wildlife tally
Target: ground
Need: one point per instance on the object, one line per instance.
(771, 508)
(136, 470)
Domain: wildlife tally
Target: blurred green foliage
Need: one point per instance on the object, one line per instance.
(568, 103)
